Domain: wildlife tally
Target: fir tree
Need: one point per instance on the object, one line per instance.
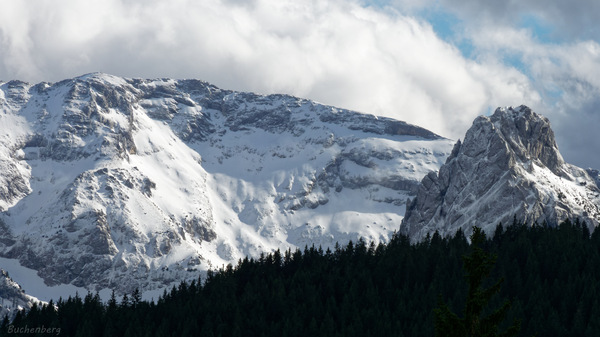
(478, 265)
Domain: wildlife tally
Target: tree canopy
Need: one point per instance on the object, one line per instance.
(550, 274)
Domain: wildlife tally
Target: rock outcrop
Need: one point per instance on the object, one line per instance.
(508, 165)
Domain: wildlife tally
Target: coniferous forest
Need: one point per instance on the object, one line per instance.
(549, 275)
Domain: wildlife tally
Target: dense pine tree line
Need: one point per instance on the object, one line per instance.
(551, 276)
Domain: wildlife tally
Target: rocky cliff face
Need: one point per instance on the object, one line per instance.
(109, 182)
(595, 174)
(507, 165)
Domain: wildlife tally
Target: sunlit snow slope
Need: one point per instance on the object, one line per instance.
(109, 182)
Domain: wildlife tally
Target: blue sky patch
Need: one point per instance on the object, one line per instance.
(542, 31)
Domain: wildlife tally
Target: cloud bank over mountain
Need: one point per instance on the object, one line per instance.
(386, 58)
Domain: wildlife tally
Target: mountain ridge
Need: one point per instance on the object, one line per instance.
(119, 183)
(508, 165)
(123, 183)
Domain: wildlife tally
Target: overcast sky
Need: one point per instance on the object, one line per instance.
(434, 63)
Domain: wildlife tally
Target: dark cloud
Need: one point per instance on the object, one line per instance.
(575, 128)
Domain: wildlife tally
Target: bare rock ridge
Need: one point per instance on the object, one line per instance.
(507, 165)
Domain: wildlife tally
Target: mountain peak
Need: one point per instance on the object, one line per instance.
(518, 133)
(508, 164)
(529, 135)
(102, 78)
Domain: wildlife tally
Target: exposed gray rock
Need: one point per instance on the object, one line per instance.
(594, 174)
(508, 165)
(14, 184)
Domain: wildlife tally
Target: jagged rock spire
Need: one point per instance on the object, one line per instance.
(507, 165)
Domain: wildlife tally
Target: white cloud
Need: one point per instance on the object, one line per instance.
(567, 77)
(16, 42)
(334, 51)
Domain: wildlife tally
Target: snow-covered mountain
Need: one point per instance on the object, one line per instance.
(508, 165)
(109, 182)
(13, 297)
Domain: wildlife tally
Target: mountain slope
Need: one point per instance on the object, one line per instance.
(110, 182)
(508, 165)
(13, 297)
